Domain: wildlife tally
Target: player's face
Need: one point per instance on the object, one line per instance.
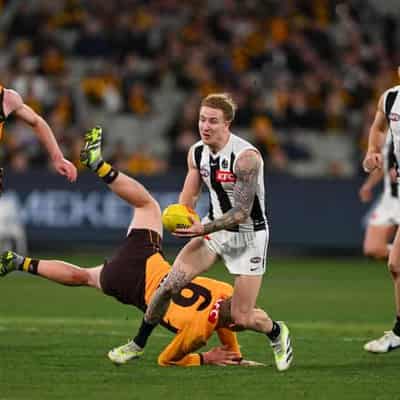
(213, 128)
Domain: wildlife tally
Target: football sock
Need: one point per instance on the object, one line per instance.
(106, 172)
(396, 329)
(275, 331)
(144, 333)
(27, 264)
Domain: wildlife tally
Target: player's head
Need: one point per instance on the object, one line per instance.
(224, 313)
(217, 112)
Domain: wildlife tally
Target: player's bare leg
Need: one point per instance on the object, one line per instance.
(54, 270)
(377, 242)
(147, 216)
(147, 211)
(391, 339)
(246, 316)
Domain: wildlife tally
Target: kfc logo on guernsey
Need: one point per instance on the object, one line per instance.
(225, 176)
(394, 117)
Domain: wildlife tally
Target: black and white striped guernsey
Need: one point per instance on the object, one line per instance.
(217, 172)
(390, 188)
(391, 148)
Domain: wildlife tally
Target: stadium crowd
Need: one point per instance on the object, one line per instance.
(297, 69)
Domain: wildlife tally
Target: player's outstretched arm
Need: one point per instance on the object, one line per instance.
(246, 171)
(14, 103)
(377, 133)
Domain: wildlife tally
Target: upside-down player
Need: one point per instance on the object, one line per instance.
(136, 270)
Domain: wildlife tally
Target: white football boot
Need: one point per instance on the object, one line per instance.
(388, 342)
(125, 353)
(282, 348)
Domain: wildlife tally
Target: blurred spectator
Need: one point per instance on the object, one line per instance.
(268, 144)
(142, 162)
(178, 156)
(18, 161)
(307, 66)
(92, 41)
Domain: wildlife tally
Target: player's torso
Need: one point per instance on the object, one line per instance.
(217, 174)
(391, 104)
(391, 187)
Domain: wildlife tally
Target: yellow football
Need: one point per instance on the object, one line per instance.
(176, 216)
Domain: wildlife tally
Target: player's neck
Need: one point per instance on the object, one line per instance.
(217, 147)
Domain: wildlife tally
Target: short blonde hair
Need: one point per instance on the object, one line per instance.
(223, 102)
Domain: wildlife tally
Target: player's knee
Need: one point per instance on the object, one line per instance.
(377, 252)
(241, 319)
(79, 276)
(394, 269)
(152, 205)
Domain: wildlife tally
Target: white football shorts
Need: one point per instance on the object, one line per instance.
(244, 253)
(385, 212)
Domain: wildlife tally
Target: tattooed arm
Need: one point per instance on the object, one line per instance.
(246, 171)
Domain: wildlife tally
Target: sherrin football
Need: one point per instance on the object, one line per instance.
(176, 216)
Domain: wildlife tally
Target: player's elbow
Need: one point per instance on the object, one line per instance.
(36, 122)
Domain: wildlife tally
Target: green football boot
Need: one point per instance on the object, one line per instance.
(91, 153)
(9, 262)
(125, 353)
(282, 348)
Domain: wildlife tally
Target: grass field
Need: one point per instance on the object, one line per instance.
(54, 340)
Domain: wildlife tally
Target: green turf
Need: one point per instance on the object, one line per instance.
(54, 340)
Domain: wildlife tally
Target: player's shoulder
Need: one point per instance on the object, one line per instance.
(388, 97)
(195, 153)
(241, 144)
(392, 89)
(196, 145)
(244, 149)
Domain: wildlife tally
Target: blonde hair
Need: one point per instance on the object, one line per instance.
(223, 102)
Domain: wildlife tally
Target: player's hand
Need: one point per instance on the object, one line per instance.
(222, 357)
(372, 161)
(393, 175)
(66, 168)
(250, 363)
(196, 229)
(365, 193)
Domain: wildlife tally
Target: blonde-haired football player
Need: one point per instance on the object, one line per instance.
(235, 229)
